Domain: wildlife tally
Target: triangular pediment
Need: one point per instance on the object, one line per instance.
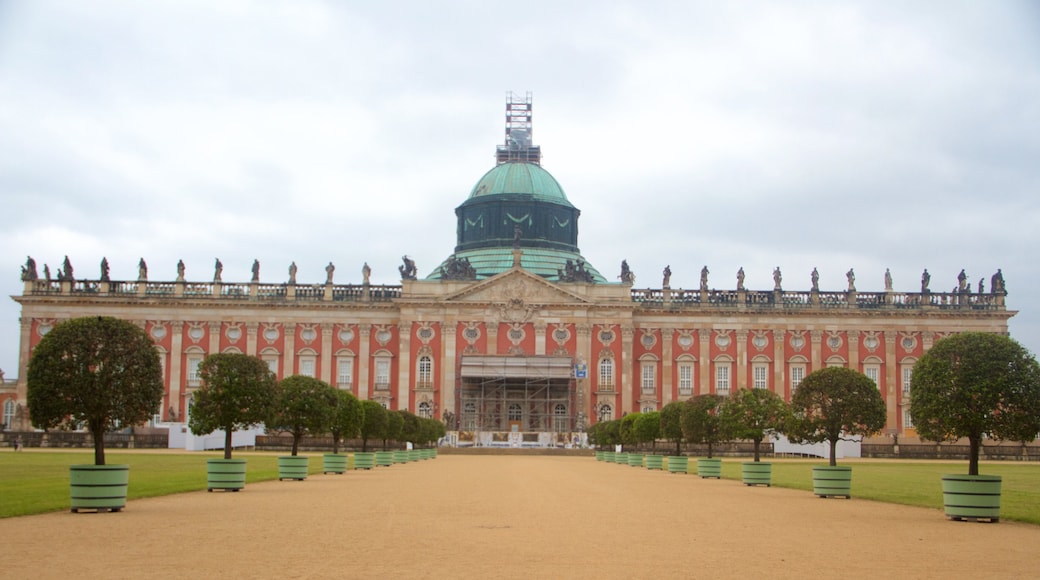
(516, 286)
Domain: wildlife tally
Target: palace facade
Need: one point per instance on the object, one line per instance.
(515, 337)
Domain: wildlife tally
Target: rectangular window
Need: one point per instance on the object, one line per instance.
(307, 366)
(760, 373)
(722, 379)
(908, 373)
(345, 372)
(606, 374)
(686, 379)
(193, 371)
(908, 420)
(272, 363)
(382, 374)
(797, 374)
(424, 373)
(649, 378)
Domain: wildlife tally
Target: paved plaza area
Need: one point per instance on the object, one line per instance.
(512, 517)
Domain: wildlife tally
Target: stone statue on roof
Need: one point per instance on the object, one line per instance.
(329, 271)
(666, 283)
(926, 278)
(815, 277)
(627, 277)
(218, 269)
(66, 267)
(142, 270)
(180, 270)
(366, 272)
(29, 270)
(962, 281)
(407, 270)
(777, 278)
(740, 278)
(888, 280)
(851, 277)
(256, 271)
(104, 270)
(292, 273)
(704, 279)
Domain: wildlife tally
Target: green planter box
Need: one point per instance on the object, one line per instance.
(98, 487)
(333, 463)
(709, 468)
(608, 457)
(757, 473)
(292, 467)
(599, 456)
(635, 460)
(384, 458)
(621, 458)
(972, 497)
(400, 456)
(413, 455)
(655, 461)
(830, 481)
(365, 460)
(678, 463)
(226, 474)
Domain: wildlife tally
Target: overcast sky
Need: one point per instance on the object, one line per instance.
(833, 135)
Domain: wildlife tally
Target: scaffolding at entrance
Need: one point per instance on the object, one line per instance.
(516, 394)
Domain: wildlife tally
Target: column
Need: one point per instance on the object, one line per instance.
(289, 355)
(816, 346)
(404, 367)
(176, 357)
(447, 366)
(704, 358)
(583, 352)
(627, 333)
(779, 364)
(252, 329)
(891, 381)
(492, 337)
(667, 362)
(742, 361)
(214, 338)
(539, 338)
(364, 356)
(326, 354)
(853, 338)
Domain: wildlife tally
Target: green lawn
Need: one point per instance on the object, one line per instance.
(916, 483)
(36, 481)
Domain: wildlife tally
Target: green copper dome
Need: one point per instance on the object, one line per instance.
(521, 180)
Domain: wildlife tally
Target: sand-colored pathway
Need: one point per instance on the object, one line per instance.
(512, 517)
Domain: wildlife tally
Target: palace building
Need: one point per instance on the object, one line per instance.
(515, 338)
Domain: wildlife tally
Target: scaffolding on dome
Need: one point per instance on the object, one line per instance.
(518, 146)
(516, 401)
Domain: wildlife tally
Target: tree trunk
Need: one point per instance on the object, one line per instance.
(335, 444)
(709, 450)
(973, 455)
(834, 451)
(364, 444)
(227, 442)
(295, 444)
(678, 451)
(99, 446)
(758, 443)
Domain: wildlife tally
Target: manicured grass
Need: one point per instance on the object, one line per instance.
(916, 483)
(34, 481)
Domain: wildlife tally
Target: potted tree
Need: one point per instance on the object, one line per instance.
(373, 425)
(629, 437)
(975, 385)
(671, 429)
(755, 414)
(647, 429)
(100, 372)
(345, 422)
(834, 404)
(302, 406)
(702, 423)
(236, 393)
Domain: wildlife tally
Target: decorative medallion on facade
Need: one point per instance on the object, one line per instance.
(685, 340)
(346, 335)
(723, 338)
(908, 340)
(834, 340)
(158, 330)
(760, 340)
(561, 334)
(871, 340)
(308, 333)
(516, 333)
(233, 332)
(514, 309)
(606, 335)
(471, 333)
(383, 334)
(425, 332)
(196, 330)
(45, 326)
(797, 339)
(271, 333)
(649, 339)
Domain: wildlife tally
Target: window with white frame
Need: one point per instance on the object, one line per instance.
(649, 377)
(908, 420)
(648, 409)
(424, 373)
(193, 370)
(272, 363)
(722, 378)
(562, 421)
(425, 410)
(516, 413)
(873, 373)
(307, 365)
(797, 374)
(606, 413)
(382, 374)
(908, 374)
(760, 375)
(469, 416)
(8, 413)
(606, 374)
(685, 378)
(345, 372)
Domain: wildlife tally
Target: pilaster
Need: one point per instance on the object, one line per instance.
(404, 367)
(290, 349)
(326, 354)
(779, 364)
(447, 366)
(363, 360)
(742, 361)
(667, 364)
(704, 358)
(627, 333)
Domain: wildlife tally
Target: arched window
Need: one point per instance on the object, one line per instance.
(424, 373)
(606, 374)
(8, 413)
(562, 421)
(425, 410)
(606, 412)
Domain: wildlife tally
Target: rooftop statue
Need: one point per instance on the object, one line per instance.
(627, 277)
(996, 283)
(815, 276)
(104, 270)
(458, 269)
(667, 277)
(47, 272)
(740, 278)
(962, 281)
(926, 278)
(292, 273)
(575, 273)
(704, 279)
(851, 277)
(142, 270)
(777, 278)
(29, 270)
(982, 286)
(66, 267)
(366, 272)
(218, 269)
(329, 271)
(256, 271)
(888, 280)
(407, 270)
(180, 270)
